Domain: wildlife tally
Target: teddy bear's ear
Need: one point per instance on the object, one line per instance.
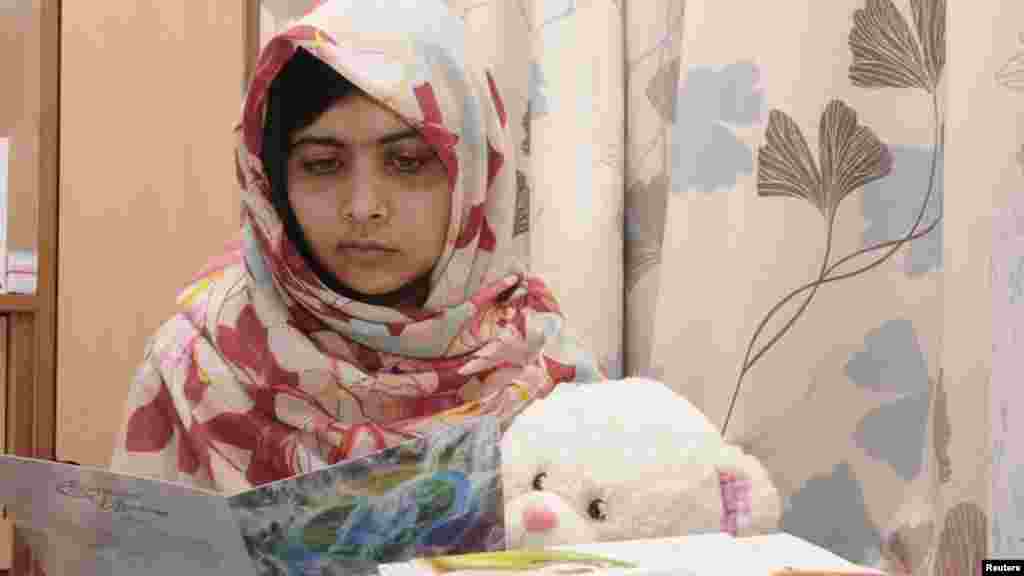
(750, 501)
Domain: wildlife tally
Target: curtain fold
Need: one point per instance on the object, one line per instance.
(559, 64)
(654, 31)
(576, 157)
(987, 108)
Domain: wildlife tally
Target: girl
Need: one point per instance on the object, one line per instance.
(377, 288)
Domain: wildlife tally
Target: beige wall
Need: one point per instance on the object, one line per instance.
(147, 193)
(275, 14)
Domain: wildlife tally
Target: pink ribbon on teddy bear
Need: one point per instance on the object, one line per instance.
(736, 502)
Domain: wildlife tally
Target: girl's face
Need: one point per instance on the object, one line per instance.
(370, 195)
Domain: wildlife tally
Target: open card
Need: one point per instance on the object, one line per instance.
(439, 495)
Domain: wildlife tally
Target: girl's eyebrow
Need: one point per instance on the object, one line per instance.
(398, 136)
(337, 143)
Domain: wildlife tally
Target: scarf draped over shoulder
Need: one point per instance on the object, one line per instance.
(266, 373)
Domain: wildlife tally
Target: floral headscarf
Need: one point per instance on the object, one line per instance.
(267, 373)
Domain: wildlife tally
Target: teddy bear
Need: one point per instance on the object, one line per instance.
(626, 460)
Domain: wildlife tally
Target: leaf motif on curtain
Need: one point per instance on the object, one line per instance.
(963, 544)
(885, 52)
(1011, 75)
(942, 430)
(1011, 541)
(522, 209)
(554, 10)
(891, 205)
(851, 156)
(526, 123)
(706, 154)
(785, 164)
(911, 537)
(663, 90)
(893, 362)
(1016, 281)
(906, 549)
(523, 188)
(611, 365)
(646, 203)
(829, 510)
(537, 101)
(930, 23)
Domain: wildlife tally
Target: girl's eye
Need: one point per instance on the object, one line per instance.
(407, 163)
(538, 481)
(597, 511)
(321, 166)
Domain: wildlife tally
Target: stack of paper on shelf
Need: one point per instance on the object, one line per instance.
(22, 271)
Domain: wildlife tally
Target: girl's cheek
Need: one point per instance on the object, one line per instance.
(320, 206)
(425, 212)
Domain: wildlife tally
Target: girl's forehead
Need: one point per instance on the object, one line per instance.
(358, 120)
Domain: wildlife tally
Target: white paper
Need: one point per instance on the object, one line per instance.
(5, 156)
(694, 555)
(787, 551)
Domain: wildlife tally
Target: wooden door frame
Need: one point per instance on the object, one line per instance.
(32, 343)
(31, 426)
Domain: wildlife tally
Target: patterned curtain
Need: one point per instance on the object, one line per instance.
(746, 200)
(789, 238)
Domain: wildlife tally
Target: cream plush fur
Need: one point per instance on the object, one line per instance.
(621, 460)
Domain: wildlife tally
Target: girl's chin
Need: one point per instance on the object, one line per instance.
(373, 290)
(370, 282)
(386, 292)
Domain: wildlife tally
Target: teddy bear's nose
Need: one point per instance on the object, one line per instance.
(539, 518)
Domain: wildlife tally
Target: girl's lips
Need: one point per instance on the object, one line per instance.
(365, 246)
(365, 250)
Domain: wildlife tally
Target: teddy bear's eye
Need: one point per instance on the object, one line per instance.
(538, 481)
(597, 511)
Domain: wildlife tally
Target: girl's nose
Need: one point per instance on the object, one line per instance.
(366, 203)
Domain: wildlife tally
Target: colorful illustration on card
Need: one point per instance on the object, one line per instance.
(432, 496)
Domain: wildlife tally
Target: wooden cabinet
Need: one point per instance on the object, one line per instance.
(132, 105)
